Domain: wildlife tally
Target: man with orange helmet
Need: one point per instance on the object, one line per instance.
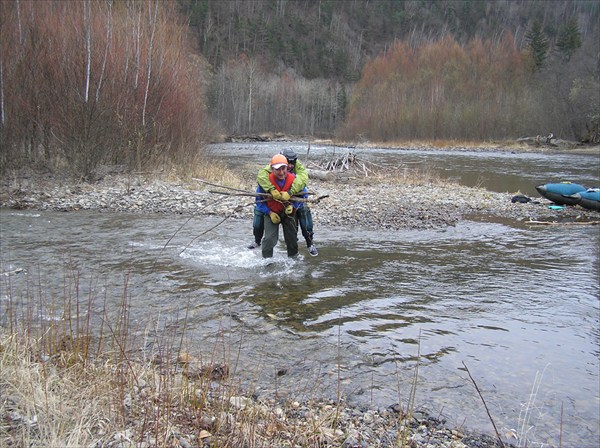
(280, 209)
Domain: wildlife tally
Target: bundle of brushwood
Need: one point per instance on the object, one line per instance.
(549, 141)
(349, 164)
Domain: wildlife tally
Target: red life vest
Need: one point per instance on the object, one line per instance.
(274, 205)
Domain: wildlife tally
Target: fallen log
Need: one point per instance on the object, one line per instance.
(321, 174)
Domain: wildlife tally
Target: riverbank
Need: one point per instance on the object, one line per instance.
(517, 146)
(524, 144)
(56, 394)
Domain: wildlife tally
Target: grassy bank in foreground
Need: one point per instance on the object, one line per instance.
(73, 376)
(70, 378)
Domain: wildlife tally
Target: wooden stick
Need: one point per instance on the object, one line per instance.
(256, 194)
(206, 231)
(572, 223)
(267, 195)
(485, 405)
(243, 191)
(217, 185)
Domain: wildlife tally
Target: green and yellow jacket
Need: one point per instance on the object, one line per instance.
(299, 182)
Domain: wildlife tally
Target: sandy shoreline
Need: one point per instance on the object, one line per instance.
(504, 146)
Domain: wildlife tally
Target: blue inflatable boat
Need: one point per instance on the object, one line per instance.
(561, 193)
(589, 198)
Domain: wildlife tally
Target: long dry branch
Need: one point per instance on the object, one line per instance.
(267, 195)
(484, 405)
(567, 223)
(178, 230)
(217, 185)
(256, 194)
(240, 190)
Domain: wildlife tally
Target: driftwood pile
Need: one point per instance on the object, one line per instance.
(550, 141)
(344, 166)
(343, 163)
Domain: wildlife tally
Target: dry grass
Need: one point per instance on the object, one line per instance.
(207, 167)
(44, 403)
(61, 401)
(69, 382)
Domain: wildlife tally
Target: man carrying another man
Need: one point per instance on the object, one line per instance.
(301, 214)
(278, 208)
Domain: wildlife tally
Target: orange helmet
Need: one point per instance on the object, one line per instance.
(278, 160)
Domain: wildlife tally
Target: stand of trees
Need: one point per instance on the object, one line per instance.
(90, 82)
(141, 82)
(482, 90)
(249, 99)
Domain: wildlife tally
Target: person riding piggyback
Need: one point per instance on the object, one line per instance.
(279, 208)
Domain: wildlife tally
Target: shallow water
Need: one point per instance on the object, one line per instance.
(511, 303)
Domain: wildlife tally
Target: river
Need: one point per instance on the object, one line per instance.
(518, 306)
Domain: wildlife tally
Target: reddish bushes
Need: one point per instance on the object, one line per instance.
(91, 82)
(441, 90)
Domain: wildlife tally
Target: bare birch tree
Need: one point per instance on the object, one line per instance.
(106, 47)
(150, 48)
(251, 69)
(87, 17)
(137, 33)
(2, 119)
(20, 27)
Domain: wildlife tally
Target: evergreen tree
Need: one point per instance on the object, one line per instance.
(569, 39)
(537, 42)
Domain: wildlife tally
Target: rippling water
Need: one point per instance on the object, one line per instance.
(511, 303)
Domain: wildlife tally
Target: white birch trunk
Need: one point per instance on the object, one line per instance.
(2, 117)
(87, 15)
(19, 26)
(149, 74)
(137, 31)
(126, 69)
(251, 69)
(108, 37)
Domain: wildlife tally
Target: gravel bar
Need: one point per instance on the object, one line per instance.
(359, 204)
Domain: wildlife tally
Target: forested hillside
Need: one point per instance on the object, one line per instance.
(425, 69)
(140, 82)
(334, 39)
